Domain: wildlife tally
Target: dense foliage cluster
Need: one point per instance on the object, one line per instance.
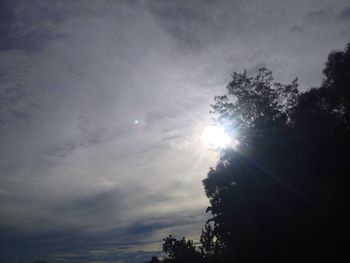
(283, 195)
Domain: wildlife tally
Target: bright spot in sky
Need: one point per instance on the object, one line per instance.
(215, 137)
(136, 121)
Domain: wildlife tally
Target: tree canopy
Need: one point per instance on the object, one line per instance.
(282, 196)
(254, 103)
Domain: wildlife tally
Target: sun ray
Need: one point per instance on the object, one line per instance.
(215, 137)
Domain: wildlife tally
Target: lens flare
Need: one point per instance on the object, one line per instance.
(215, 137)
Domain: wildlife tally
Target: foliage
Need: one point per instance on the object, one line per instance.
(179, 250)
(254, 103)
(283, 196)
(337, 78)
(211, 245)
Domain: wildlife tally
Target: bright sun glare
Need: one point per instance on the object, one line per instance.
(215, 137)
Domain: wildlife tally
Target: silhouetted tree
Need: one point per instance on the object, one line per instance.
(290, 180)
(256, 217)
(337, 79)
(255, 106)
(211, 246)
(283, 195)
(322, 119)
(180, 250)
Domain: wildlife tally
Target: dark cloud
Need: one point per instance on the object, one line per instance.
(129, 243)
(69, 246)
(345, 13)
(296, 29)
(193, 23)
(12, 23)
(320, 15)
(16, 100)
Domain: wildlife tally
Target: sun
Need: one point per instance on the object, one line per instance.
(215, 137)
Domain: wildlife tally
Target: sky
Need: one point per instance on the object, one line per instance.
(103, 103)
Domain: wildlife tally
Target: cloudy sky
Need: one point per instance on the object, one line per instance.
(102, 105)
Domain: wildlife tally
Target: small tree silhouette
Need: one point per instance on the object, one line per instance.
(180, 250)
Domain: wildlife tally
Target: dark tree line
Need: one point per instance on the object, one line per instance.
(283, 195)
